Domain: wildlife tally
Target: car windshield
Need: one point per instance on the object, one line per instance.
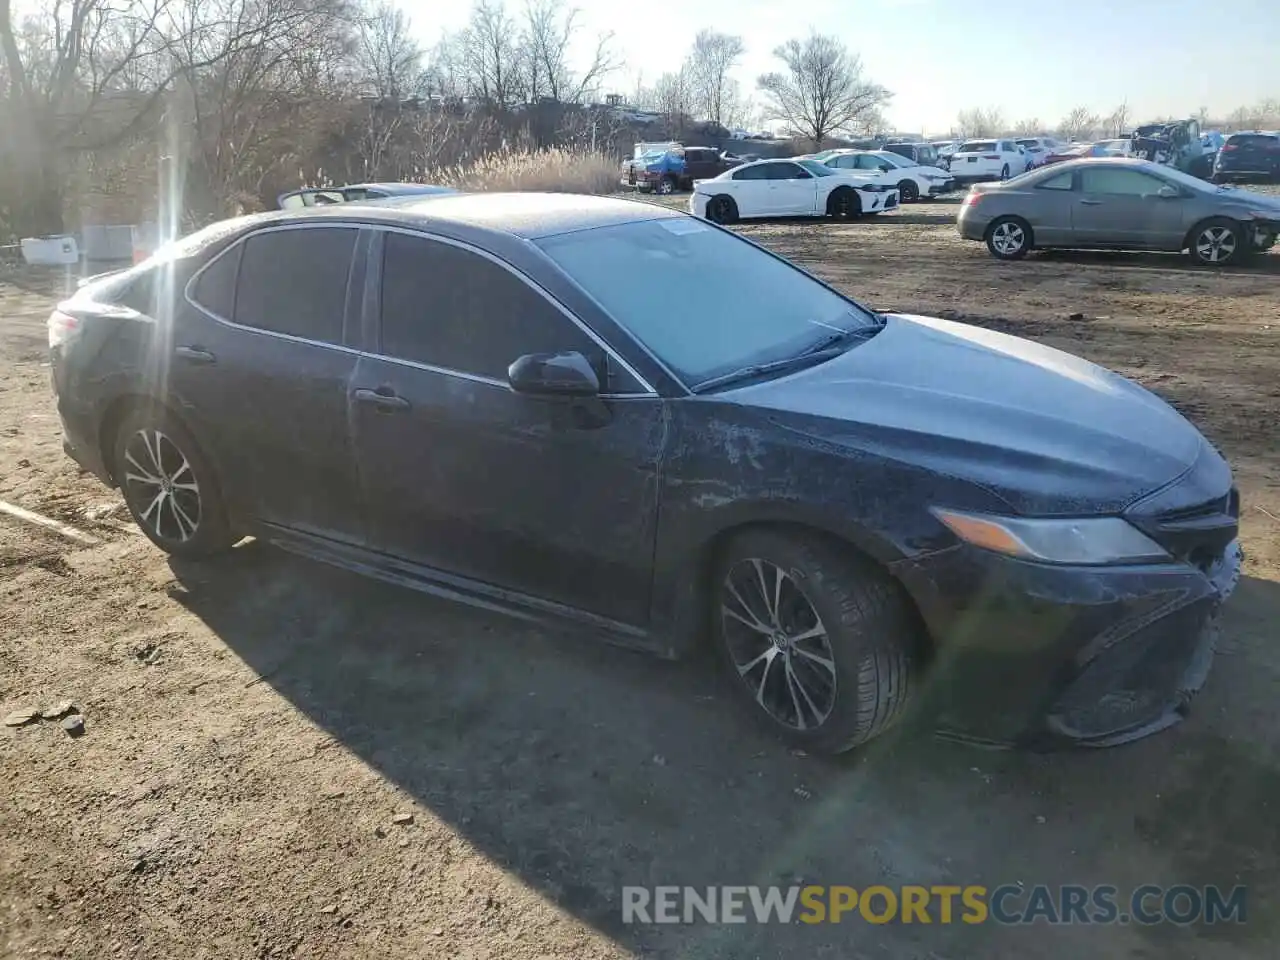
(822, 155)
(816, 168)
(1028, 143)
(722, 303)
(1183, 179)
(977, 146)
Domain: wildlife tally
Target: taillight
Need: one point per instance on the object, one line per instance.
(970, 198)
(1229, 146)
(61, 327)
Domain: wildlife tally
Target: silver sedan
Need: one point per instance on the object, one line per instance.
(1122, 204)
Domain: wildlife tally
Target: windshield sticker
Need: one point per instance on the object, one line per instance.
(682, 225)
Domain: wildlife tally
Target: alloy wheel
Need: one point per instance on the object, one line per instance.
(1216, 245)
(666, 187)
(718, 210)
(1008, 238)
(161, 486)
(778, 644)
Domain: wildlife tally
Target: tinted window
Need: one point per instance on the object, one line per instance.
(215, 288)
(1119, 181)
(1060, 182)
(721, 303)
(978, 146)
(786, 171)
(868, 162)
(451, 308)
(751, 173)
(295, 281)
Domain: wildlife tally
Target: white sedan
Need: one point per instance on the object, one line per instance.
(791, 188)
(913, 180)
(988, 160)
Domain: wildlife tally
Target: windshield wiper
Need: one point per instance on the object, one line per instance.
(824, 349)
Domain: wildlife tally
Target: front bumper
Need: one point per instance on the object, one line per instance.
(937, 187)
(1037, 655)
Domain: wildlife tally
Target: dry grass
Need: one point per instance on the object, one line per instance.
(554, 169)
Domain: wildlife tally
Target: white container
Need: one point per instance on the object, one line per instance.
(50, 251)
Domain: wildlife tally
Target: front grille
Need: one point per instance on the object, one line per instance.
(1198, 534)
(1135, 681)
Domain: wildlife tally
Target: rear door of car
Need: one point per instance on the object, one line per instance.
(1050, 207)
(547, 497)
(1121, 206)
(261, 356)
(749, 187)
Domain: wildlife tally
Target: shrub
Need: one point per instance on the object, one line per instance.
(553, 169)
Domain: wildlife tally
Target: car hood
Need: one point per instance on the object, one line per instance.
(1048, 432)
(1252, 199)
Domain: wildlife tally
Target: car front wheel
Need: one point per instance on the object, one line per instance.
(168, 485)
(722, 209)
(818, 642)
(1218, 242)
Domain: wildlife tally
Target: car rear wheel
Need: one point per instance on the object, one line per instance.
(722, 209)
(908, 192)
(1009, 238)
(1218, 242)
(818, 642)
(667, 186)
(844, 204)
(168, 485)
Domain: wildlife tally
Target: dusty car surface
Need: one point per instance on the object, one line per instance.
(323, 196)
(488, 398)
(1119, 203)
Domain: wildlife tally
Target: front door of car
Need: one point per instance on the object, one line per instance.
(793, 190)
(260, 359)
(548, 497)
(1118, 206)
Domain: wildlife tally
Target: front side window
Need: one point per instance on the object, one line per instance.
(452, 308)
(1118, 181)
(817, 169)
(786, 171)
(722, 303)
(295, 281)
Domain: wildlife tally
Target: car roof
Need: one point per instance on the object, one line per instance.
(529, 216)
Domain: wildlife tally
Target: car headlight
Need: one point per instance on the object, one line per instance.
(1088, 540)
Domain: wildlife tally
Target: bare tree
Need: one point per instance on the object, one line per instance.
(1081, 122)
(673, 98)
(713, 57)
(388, 58)
(822, 90)
(545, 54)
(490, 56)
(1117, 122)
(1028, 128)
(979, 122)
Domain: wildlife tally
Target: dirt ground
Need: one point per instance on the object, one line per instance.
(253, 726)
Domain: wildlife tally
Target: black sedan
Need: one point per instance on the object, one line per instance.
(607, 413)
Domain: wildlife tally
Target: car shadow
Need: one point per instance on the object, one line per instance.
(1266, 263)
(581, 768)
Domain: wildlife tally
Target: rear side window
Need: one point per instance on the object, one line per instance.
(750, 173)
(215, 288)
(454, 309)
(295, 282)
(1062, 181)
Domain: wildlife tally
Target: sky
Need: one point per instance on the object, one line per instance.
(1030, 59)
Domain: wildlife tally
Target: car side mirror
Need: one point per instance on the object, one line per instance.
(554, 375)
(1168, 193)
(885, 168)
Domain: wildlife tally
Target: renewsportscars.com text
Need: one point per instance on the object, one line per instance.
(1006, 904)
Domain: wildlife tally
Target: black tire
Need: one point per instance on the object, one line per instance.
(1009, 238)
(908, 192)
(1217, 242)
(844, 204)
(722, 209)
(667, 186)
(870, 636)
(195, 522)
(1004, 172)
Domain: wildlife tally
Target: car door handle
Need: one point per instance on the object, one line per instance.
(1092, 203)
(195, 355)
(386, 401)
